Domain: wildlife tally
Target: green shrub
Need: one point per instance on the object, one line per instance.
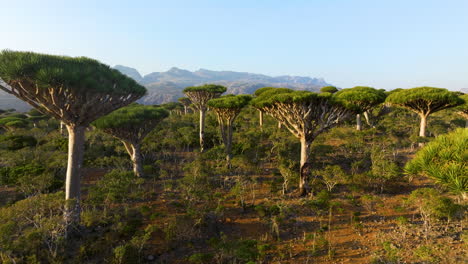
(115, 186)
(16, 142)
(444, 160)
(34, 226)
(200, 258)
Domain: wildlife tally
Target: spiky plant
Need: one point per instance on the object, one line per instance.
(444, 160)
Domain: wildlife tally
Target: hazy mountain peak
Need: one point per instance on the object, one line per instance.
(167, 86)
(130, 72)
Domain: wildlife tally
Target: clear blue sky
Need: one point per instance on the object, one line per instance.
(381, 43)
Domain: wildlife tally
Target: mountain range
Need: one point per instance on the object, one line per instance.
(167, 86)
(164, 87)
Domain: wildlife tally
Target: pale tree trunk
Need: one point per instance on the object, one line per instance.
(304, 187)
(260, 117)
(76, 139)
(422, 127)
(279, 125)
(202, 130)
(185, 109)
(358, 122)
(62, 125)
(137, 160)
(366, 116)
(134, 151)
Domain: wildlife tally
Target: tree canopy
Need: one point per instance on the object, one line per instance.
(227, 108)
(135, 118)
(210, 88)
(80, 73)
(74, 90)
(328, 89)
(305, 114)
(361, 98)
(424, 100)
(131, 125)
(230, 101)
(185, 101)
(259, 91)
(200, 95)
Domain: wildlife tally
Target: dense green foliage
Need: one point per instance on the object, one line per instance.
(131, 117)
(361, 98)
(445, 161)
(425, 100)
(210, 88)
(328, 89)
(190, 208)
(80, 74)
(259, 91)
(230, 101)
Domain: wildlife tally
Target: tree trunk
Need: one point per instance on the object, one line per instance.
(185, 109)
(279, 125)
(137, 161)
(304, 187)
(358, 122)
(228, 144)
(76, 138)
(422, 127)
(62, 125)
(260, 117)
(202, 130)
(366, 116)
(134, 151)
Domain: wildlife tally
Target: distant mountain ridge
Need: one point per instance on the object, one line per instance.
(167, 86)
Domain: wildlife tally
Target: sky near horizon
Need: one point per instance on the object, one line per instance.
(385, 44)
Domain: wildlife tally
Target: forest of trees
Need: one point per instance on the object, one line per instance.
(280, 176)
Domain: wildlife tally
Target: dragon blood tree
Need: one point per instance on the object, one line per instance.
(75, 91)
(362, 99)
(185, 102)
(424, 101)
(200, 95)
(131, 125)
(227, 108)
(328, 89)
(305, 114)
(257, 93)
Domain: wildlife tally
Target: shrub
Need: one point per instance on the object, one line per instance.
(16, 142)
(34, 226)
(444, 160)
(115, 186)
